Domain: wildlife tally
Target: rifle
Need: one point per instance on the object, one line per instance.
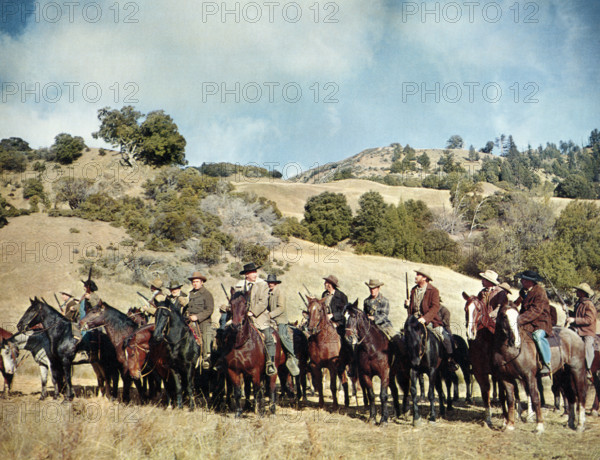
(225, 291)
(59, 304)
(406, 284)
(303, 299)
(307, 291)
(143, 297)
(562, 302)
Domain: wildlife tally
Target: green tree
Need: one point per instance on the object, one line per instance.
(455, 142)
(440, 249)
(371, 210)
(328, 218)
(424, 161)
(473, 154)
(575, 186)
(489, 146)
(66, 148)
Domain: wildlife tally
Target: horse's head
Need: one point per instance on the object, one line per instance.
(137, 315)
(9, 353)
(415, 336)
(162, 320)
(507, 326)
(32, 316)
(317, 316)
(239, 308)
(351, 312)
(94, 317)
(472, 308)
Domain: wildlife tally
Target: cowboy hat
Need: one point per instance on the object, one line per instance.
(273, 279)
(94, 300)
(530, 275)
(506, 287)
(331, 279)
(251, 267)
(491, 276)
(585, 288)
(156, 284)
(196, 276)
(373, 283)
(174, 285)
(423, 272)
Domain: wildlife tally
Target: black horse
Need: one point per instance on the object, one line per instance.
(426, 354)
(461, 357)
(183, 351)
(63, 345)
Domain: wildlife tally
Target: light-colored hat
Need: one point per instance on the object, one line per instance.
(331, 279)
(157, 283)
(197, 275)
(585, 288)
(374, 284)
(422, 271)
(491, 276)
(95, 300)
(506, 287)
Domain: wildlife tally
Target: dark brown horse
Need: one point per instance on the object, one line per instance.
(515, 358)
(481, 339)
(374, 355)
(326, 350)
(246, 356)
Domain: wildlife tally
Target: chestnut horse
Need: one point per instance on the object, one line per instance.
(515, 358)
(375, 355)
(246, 356)
(326, 349)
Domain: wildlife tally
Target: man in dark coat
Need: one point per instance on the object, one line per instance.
(535, 316)
(198, 312)
(424, 303)
(336, 301)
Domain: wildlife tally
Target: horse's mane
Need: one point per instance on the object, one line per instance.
(50, 309)
(120, 318)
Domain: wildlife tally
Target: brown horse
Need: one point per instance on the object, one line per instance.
(326, 349)
(515, 358)
(246, 356)
(375, 355)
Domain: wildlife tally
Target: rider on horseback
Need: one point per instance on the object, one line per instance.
(493, 297)
(535, 315)
(257, 293)
(335, 301)
(424, 304)
(377, 309)
(585, 321)
(198, 312)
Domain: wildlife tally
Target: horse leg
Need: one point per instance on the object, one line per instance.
(140, 389)
(317, 382)
(190, 385)
(422, 387)
(484, 386)
(494, 391)
(44, 378)
(439, 386)
(509, 410)
(333, 386)
(531, 388)
(414, 375)
(344, 379)
(394, 390)
(272, 384)
(67, 369)
(258, 395)
(127, 387)
(383, 396)
(247, 393)
(237, 399)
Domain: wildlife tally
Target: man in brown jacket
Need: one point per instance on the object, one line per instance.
(424, 303)
(492, 296)
(278, 313)
(585, 321)
(535, 315)
(198, 311)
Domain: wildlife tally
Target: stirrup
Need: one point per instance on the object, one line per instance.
(270, 369)
(545, 370)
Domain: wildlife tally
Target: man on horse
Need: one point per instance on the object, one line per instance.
(157, 297)
(69, 306)
(278, 312)
(335, 301)
(535, 315)
(424, 304)
(176, 300)
(257, 294)
(199, 311)
(377, 309)
(585, 321)
(492, 296)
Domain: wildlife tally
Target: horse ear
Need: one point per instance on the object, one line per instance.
(465, 295)
(310, 299)
(355, 304)
(232, 291)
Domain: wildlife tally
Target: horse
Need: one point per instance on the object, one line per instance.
(326, 349)
(183, 351)
(515, 358)
(426, 354)
(375, 355)
(461, 357)
(131, 345)
(8, 356)
(245, 356)
(138, 316)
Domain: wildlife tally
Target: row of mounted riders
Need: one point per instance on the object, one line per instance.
(166, 351)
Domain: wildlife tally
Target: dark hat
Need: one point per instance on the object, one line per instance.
(273, 279)
(196, 276)
(331, 279)
(249, 268)
(93, 287)
(530, 275)
(174, 285)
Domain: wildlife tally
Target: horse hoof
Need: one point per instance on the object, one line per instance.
(432, 421)
(594, 413)
(417, 422)
(580, 428)
(539, 429)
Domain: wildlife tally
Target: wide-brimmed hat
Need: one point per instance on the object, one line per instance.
(174, 285)
(156, 283)
(530, 275)
(66, 292)
(506, 287)
(372, 284)
(332, 279)
(196, 276)
(93, 287)
(251, 267)
(425, 273)
(585, 288)
(273, 279)
(491, 276)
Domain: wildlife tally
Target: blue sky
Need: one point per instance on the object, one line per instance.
(304, 82)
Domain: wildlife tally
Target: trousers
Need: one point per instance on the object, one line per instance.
(539, 337)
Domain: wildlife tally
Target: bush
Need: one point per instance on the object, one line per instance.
(67, 148)
(289, 226)
(12, 161)
(33, 187)
(328, 218)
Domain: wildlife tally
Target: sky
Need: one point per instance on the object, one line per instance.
(294, 85)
